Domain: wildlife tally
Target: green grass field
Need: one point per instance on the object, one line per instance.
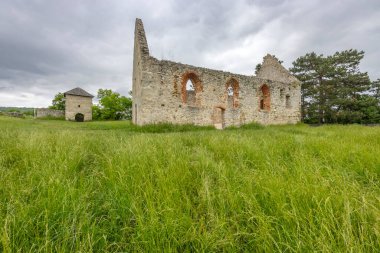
(112, 186)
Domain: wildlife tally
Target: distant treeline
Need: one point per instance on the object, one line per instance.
(23, 110)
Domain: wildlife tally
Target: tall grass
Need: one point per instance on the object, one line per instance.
(112, 186)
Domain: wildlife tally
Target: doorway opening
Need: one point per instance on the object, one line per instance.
(79, 117)
(219, 122)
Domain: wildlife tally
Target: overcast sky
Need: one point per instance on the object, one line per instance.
(50, 46)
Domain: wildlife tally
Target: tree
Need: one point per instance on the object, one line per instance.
(365, 111)
(96, 112)
(112, 106)
(257, 68)
(58, 102)
(331, 86)
(313, 71)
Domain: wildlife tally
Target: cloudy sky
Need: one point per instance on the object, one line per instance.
(50, 46)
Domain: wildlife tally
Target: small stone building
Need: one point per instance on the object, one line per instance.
(78, 105)
(166, 91)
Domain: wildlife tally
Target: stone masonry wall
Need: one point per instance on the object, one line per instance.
(219, 98)
(45, 112)
(162, 97)
(78, 104)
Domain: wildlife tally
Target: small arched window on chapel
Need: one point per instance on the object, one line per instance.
(191, 88)
(264, 98)
(232, 89)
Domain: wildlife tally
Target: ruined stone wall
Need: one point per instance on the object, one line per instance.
(140, 56)
(45, 112)
(78, 104)
(163, 92)
(219, 98)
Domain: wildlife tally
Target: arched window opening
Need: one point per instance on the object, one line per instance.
(191, 88)
(79, 117)
(190, 92)
(288, 103)
(264, 98)
(232, 89)
(261, 104)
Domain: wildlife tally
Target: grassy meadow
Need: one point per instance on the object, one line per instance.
(115, 187)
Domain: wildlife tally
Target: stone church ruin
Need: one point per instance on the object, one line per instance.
(166, 91)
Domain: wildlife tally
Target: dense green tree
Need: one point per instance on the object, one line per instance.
(112, 106)
(313, 71)
(363, 109)
(369, 107)
(375, 89)
(257, 68)
(96, 112)
(58, 102)
(333, 88)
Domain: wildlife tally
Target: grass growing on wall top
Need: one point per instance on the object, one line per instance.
(112, 186)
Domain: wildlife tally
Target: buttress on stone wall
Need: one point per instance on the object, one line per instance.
(166, 91)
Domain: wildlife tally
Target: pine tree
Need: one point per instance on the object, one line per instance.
(332, 86)
(375, 89)
(314, 71)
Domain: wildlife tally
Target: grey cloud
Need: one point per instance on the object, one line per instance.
(47, 46)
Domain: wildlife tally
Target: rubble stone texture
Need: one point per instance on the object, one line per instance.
(166, 91)
(45, 112)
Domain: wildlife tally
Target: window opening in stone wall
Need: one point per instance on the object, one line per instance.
(282, 92)
(232, 89)
(218, 118)
(191, 89)
(190, 86)
(264, 98)
(78, 105)
(287, 103)
(190, 93)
